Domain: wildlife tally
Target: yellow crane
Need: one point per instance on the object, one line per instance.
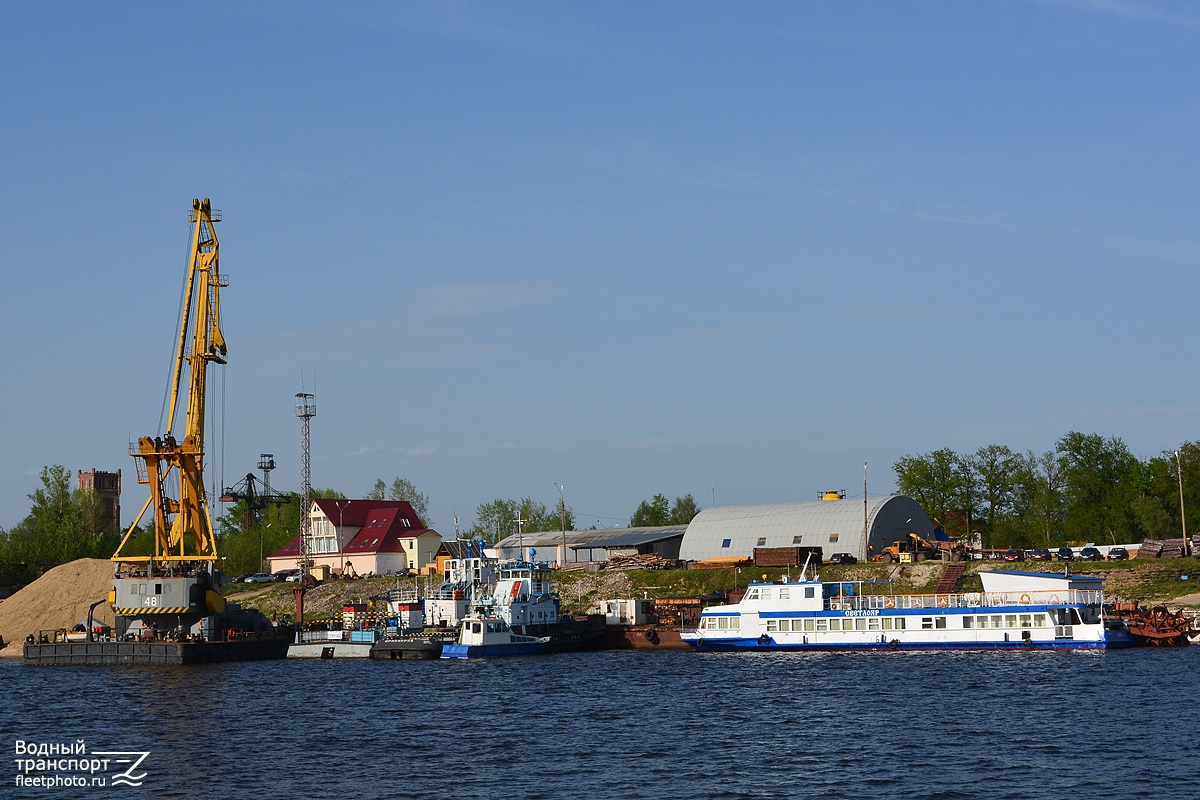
(181, 576)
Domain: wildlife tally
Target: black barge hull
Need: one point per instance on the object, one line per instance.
(59, 654)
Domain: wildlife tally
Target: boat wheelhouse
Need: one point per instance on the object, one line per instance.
(1015, 610)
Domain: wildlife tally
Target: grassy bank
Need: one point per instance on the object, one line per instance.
(1153, 580)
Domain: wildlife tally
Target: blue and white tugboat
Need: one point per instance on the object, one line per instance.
(481, 636)
(519, 614)
(1015, 611)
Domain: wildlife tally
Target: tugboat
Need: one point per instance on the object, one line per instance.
(520, 615)
(486, 636)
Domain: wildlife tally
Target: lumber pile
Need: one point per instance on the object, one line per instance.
(1153, 548)
(642, 561)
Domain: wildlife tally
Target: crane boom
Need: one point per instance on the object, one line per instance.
(183, 524)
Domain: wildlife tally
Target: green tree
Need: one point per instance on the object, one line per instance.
(497, 519)
(995, 467)
(401, 489)
(935, 480)
(1102, 479)
(62, 525)
(683, 510)
(652, 513)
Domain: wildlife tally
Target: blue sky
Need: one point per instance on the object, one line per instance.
(734, 250)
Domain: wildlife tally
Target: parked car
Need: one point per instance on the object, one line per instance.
(293, 578)
(261, 577)
(1040, 554)
(1065, 554)
(1090, 554)
(1015, 554)
(1117, 554)
(842, 558)
(285, 574)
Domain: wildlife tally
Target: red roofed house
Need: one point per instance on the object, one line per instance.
(357, 537)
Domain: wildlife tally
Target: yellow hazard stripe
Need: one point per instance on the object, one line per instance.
(133, 612)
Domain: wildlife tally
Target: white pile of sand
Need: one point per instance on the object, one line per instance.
(58, 599)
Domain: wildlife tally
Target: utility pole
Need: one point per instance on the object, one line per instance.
(562, 518)
(1182, 514)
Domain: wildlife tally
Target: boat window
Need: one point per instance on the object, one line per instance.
(968, 622)
(808, 624)
(784, 594)
(939, 622)
(809, 592)
(766, 594)
(1026, 620)
(835, 624)
(1039, 621)
(726, 542)
(822, 625)
(752, 594)
(735, 623)
(772, 626)
(723, 623)
(926, 623)
(873, 624)
(887, 623)
(476, 627)
(899, 623)
(860, 623)
(997, 621)
(1010, 620)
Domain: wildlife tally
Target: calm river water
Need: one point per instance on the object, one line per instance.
(1027, 726)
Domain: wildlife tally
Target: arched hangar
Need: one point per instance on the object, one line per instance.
(836, 526)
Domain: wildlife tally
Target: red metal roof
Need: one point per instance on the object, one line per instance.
(384, 526)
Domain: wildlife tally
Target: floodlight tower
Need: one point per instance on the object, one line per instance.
(306, 409)
(266, 462)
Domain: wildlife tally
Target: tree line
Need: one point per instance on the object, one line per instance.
(65, 524)
(1086, 489)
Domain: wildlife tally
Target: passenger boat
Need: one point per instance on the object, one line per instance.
(1015, 611)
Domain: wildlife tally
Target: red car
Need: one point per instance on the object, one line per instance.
(1014, 555)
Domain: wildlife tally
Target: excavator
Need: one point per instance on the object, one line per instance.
(176, 590)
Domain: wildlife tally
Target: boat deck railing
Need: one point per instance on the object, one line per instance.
(963, 600)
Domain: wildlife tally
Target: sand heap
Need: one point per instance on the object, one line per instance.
(58, 599)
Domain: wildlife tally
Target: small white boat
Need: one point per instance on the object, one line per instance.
(487, 636)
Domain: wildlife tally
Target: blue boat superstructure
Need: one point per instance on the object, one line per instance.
(1015, 611)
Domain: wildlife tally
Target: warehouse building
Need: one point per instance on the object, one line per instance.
(836, 526)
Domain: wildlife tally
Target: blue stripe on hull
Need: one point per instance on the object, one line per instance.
(492, 650)
(751, 644)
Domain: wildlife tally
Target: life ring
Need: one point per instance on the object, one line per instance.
(1025, 599)
(1054, 599)
(942, 602)
(889, 602)
(764, 639)
(894, 644)
(651, 636)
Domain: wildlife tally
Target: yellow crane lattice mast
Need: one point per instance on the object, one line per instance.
(183, 526)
